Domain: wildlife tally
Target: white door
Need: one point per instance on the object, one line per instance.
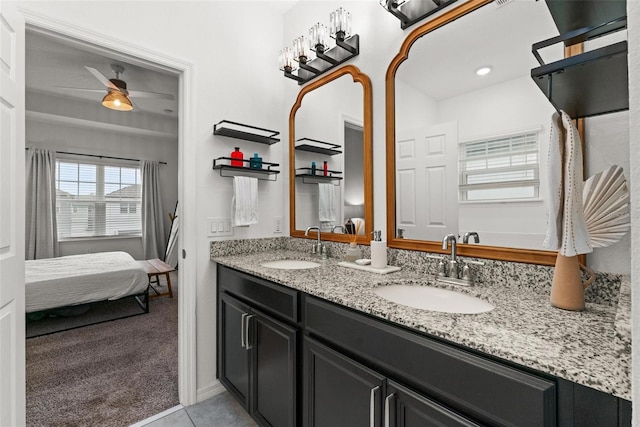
(427, 182)
(12, 211)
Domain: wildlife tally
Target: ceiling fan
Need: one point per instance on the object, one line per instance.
(117, 97)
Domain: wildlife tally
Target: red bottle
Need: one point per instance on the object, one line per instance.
(237, 157)
(325, 169)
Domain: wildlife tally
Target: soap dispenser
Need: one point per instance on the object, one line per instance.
(378, 251)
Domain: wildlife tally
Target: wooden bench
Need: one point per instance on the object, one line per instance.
(155, 268)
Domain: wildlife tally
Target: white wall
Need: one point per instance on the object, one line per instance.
(633, 16)
(234, 51)
(85, 140)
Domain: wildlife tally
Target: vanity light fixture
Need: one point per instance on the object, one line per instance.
(410, 12)
(483, 71)
(309, 67)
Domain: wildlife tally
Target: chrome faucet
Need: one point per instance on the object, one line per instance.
(338, 226)
(317, 247)
(476, 237)
(453, 263)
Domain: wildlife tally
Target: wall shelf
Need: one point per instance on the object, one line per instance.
(223, 165)
(317, 146)
(309, 178)
(340, 53)
(246, 132)
(593, 82)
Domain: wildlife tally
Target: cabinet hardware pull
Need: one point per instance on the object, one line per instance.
(387, 415)
(372, 407)
(246, 333)
(243, 339)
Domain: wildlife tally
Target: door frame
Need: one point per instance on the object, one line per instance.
(187, 153)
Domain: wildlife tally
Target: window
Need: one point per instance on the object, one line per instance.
(97, 199)
(501, 168)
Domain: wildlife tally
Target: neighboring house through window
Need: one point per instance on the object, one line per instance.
(97, 199)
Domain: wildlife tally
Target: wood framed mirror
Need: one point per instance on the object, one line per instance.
(460, 34)
(324, 113)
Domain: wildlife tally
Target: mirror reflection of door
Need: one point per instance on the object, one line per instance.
(426, 184)
(353, 217)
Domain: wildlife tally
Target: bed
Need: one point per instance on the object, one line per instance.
(81, 279)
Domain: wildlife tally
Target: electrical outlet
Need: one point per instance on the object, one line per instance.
(277, 224)
(218, 227)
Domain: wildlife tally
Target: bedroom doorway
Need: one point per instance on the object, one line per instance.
(183, 161)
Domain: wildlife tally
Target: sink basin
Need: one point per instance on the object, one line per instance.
(290, 264)
(434, 299)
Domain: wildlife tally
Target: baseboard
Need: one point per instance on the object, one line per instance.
(209, 391)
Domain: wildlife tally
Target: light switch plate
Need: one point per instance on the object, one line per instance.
(277, 224)
(219, 227)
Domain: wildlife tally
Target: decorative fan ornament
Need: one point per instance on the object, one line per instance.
(606, 206)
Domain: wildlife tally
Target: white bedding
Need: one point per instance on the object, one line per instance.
(79, 279)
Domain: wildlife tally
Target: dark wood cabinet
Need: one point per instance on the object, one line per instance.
(233, 358)
(257, 357)
(406, 408)
(339, 392)
(272, 345)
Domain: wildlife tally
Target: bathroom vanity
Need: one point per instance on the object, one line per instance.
(316, 347)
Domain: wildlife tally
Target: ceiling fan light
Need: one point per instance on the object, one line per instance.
(117, 101)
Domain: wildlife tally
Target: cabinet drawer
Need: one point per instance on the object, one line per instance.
(277, 300)
(483, 389)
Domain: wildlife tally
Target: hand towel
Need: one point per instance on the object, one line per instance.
(566, 227)
(326, 209)
(244, 203)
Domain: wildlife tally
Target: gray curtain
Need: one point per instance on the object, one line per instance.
(153, 235)
(41, 234)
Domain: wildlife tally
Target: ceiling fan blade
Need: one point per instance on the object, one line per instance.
(141, 94)
(79, 89)
(105, 81)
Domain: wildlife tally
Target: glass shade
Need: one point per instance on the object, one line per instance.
(301, 50)
(319, 38)
(286, 60)
(117, 100)
(340, 24)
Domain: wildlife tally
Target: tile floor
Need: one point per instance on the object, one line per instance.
(221, 410)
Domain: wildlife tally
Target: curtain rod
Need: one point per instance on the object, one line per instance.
(99, 156)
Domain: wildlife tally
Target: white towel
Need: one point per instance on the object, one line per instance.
(566, 228)
(326, 208)
(244, 204)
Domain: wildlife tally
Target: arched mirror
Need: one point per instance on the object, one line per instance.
(466, 147)
(330, 157)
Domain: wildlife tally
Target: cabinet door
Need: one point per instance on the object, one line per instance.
(405, 408)
(273, 360)
(339, 391)
(233, 357)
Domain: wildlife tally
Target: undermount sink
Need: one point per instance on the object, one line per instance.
(434, 299)
(290, 264)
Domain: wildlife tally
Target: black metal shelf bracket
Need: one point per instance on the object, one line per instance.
(248, 134)
(340, 53)
(222, 165)
(317, 146)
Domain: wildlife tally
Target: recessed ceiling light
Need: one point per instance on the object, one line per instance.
(483, 71)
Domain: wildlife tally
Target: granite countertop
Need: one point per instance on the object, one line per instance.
(591, 347)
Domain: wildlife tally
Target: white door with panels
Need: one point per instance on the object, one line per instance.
(427, 182)
(12, 212)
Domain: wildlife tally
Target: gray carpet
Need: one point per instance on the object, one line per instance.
(110, 374)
